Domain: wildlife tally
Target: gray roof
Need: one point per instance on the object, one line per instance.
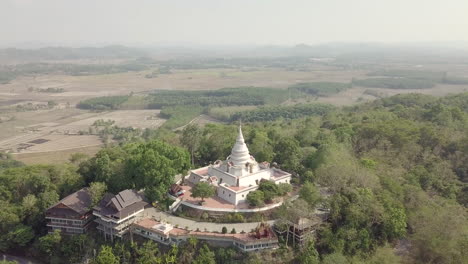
(125, 198)
(121, 205)
(79, 201)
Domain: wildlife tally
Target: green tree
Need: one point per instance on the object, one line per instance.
(308, 176)
(171, 256)
(47, 199)
(270, 189)
(96, 191)
(288, 154)
(256, 198)
(7, 161)
(50, 242)
(310, 194)
(29, 205)
(203, 190)
(335, 258)
(77, 158)
(153, 166)
(284, 188)
(205, 256)
(21, 235)
(394, 223)
(309, 254)
(226, 255)
(216, 143)
(106, 256)
(383, 255)
(191, 136)
(148, 253)
(124, 252)
(260, 146)
(440, 231)
(188, 253)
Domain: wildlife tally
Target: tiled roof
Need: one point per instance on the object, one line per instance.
(79, 201)
(121, 205)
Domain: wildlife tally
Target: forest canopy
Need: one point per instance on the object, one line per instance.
(396, 171)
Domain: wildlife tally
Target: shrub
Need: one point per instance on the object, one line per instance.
(284, 188)
(269, 189)
(256, 198)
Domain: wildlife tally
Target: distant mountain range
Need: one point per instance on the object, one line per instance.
(65, 53)
(344, 50)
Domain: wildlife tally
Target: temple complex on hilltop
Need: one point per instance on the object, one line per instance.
(238, 175)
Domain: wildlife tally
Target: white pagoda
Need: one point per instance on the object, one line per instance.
(238, 175)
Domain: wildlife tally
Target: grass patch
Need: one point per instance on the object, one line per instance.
(178, 116)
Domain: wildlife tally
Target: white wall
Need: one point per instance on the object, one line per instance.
(285, 180)
(228, 179)
(234, 198)
(242, 196)
(227, 194)
(251, 179)
(194, 178)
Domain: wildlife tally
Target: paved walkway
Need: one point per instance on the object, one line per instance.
(202, 226)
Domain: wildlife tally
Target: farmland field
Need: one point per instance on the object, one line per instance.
(51, 157)
(35, 124)
(30, 134)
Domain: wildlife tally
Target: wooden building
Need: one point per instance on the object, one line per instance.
(115, 213)
(72, 214)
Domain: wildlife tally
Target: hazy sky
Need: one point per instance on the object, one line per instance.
(231, 22)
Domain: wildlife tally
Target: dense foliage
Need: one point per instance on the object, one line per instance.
(222, 97)
(395, 83)
(271, 113)
(150, 166)
(395, 173)
(388, 164)
(25, 193)
(320, 88)
(103, 103)
(410, 79)
(412, 74)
